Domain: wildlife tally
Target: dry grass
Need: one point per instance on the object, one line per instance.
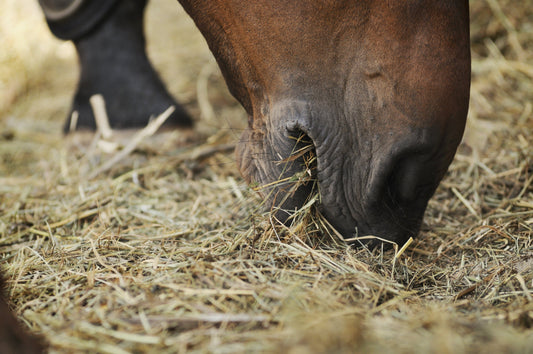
(168, 251)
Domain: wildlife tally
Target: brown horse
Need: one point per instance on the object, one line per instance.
(379, 88)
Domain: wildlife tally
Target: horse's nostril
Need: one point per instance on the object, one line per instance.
(304, 152)
(405, 179)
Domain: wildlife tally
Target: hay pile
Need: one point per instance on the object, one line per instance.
(169, 251)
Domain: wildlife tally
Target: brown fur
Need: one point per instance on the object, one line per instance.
(381, 88)
(13, 338)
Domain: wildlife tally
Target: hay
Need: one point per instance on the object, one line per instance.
(167, 250)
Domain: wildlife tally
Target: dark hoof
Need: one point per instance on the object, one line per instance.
(114, 64)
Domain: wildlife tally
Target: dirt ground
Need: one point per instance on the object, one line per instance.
(165, 249)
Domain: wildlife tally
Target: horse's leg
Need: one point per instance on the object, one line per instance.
(110, 42)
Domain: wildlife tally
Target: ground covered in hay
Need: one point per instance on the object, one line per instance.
(166, 250)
